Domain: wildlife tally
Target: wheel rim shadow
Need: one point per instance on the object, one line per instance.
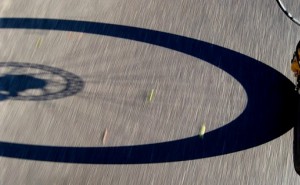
(18, 79)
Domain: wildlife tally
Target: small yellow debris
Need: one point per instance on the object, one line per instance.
(202, 131)
(38, 42)
(151, 95)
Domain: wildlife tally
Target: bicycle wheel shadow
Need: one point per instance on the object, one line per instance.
(270, 111)
(11, 85)
(35, 82)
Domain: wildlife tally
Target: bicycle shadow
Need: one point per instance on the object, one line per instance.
(13, 84)
(27, 81)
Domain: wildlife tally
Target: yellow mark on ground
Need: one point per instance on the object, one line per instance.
(38, 42)
(150, 95)
(202, 131)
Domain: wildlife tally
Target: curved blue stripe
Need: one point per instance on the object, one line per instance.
(270, 111)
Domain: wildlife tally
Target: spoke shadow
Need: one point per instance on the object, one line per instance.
(19, 79)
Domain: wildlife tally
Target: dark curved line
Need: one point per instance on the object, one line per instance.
(289, 15)
(269, 113)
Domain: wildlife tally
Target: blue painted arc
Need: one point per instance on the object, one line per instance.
(270, 111)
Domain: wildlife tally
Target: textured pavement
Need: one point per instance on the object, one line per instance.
(117, 75)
